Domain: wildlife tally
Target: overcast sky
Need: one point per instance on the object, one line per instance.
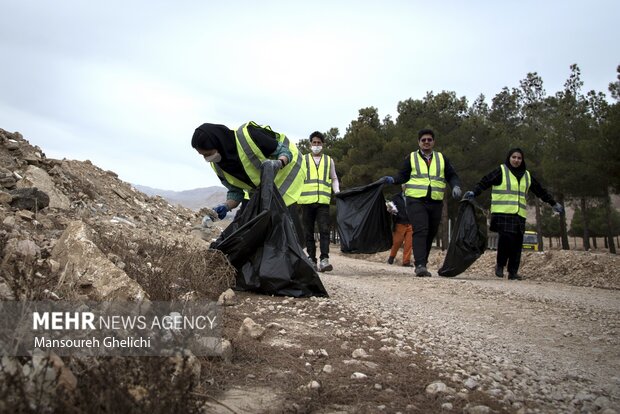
(125, 83)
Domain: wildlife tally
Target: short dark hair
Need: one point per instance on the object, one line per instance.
(426, 131)
(317, 134)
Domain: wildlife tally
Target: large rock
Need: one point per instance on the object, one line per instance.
(31, 199)
(251, 329)
(227, 298)
(23, 250)
(7, 179)
(43, 375)
(88, 269)
(5, 198)
(39, 178)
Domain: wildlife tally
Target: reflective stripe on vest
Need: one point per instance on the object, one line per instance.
(318, 184)
(423, 176)
(509, 196)
(289, 179)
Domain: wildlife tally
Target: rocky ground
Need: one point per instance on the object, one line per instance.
(530, 343)
(384, 341)
(392, 342)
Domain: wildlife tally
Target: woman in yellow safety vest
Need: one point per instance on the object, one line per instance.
(237, 156)
(510, 181)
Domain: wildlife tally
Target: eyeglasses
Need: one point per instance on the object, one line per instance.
(426, 140)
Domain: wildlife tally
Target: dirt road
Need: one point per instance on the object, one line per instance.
(527, 343)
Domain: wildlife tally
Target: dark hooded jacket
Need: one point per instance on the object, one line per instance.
(222, 138)
(401, 217)
(511, 222)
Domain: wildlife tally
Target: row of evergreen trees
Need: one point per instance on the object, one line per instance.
(571, 142)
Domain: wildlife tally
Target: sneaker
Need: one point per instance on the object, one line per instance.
(420, 271)
(390, 260)
(314, 266)
(499, 271)
(514, 276)
(324, 266)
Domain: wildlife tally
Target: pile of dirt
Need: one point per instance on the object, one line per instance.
(577, 268)
(80, 189)
(40, 197)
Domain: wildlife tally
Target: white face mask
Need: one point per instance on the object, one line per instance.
(213, 158)
(316, 149)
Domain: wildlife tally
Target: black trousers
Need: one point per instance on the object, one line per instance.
(509, 245)
(319, 214)
(424, 216)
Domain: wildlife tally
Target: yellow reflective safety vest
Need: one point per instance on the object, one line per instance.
(509, 196)
(423, 176)
(289, 180)
(318, 184)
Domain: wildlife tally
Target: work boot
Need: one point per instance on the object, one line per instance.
(420, 271)
(407, 265)
(324, 266)
(499, 271)
(514, 276)
(390, 260)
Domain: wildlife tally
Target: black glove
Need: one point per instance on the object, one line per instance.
(558, 208)
(388, 180)
(469, 195)
(276, 164)
(221, 211)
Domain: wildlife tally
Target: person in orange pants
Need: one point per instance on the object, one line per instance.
(402, 229)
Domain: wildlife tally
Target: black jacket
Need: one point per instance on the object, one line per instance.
(399, 202)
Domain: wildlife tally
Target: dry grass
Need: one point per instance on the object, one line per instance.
(116, 385)
(105, 385)
(165, 269)
(28, 278)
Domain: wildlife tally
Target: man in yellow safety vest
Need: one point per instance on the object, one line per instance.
(425, 173)
(315, 197)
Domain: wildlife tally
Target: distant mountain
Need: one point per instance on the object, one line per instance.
(194, 199)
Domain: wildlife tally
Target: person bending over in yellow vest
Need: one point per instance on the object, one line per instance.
(425, 173)
(510, 181)
(320, 181)
(236, 157)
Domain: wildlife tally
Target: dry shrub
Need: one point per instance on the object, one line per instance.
(105, 385)
(168, 269)
(79, 183)
(27, 278)
(138, 385)
(3, 239)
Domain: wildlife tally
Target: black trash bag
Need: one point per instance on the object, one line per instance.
(468, 241)
(364, 225)
(262, 244)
